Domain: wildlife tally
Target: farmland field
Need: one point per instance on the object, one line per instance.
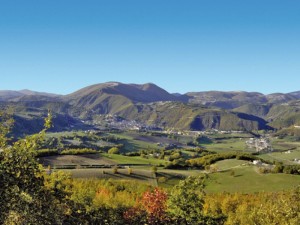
(141, 175)
(247, 180)
(228, 145)
(227, 175)
(89, 159)
(121, 159)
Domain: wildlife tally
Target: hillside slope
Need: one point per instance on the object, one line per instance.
(148, 103)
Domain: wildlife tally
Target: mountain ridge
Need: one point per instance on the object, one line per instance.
(151, 104)
(155, 88)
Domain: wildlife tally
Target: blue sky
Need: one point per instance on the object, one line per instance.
(60, 46)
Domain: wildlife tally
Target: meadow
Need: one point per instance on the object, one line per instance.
(230, 175)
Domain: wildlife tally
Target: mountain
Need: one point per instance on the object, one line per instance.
(8, 95)
(133, 92)
(29, 92)
(281, 98)
(259, 110)
(150, 104)
(295, 94)
(176, 115)
(16, 95)
(226, 100)
(114, 97)
(278, 115)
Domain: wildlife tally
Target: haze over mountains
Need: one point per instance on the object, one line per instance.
(152, 105)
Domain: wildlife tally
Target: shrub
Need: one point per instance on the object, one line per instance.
(154, 169)
(115, 170)
(46, 152)
(129, 170)
(162, 180)
(114, 150)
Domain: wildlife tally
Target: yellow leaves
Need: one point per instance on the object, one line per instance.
(26, 197)
(48, 121)
(110, 198)
(259, 208)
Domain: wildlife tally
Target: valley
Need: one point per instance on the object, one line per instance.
(108, 147)
(141, 153)
(149, 128)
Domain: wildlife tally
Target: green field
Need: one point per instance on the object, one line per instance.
(284, 151)
(247, 180)
(232, 176)
(284, 144)
(230, 163)
(131, 143)
(225, 145)
(284, 157)
(168, 178)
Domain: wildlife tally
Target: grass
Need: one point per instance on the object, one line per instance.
(247, 180)
(284, 144)
(169, 178)
(122, 174)
(230, 163)
(121, 159)
(131, 144)
(227, 145)
(237, 175)
(284, 157)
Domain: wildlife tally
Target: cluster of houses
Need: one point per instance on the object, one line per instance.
(198, 133)
(260, 144)
(117, 122)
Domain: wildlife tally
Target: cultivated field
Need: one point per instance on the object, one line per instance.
(89, 159)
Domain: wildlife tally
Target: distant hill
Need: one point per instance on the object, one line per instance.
(29, 92)
(133, 92)
(148, 103)
(16, 95)
(192, 117)
(280, 98)
(153, 105)
(114, 97)
(226, 100)
(8, 95)
(260, 110)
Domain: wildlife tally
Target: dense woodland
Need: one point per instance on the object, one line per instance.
(31, 194)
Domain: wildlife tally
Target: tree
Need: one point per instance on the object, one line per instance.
(114, 150)
(186, 202)
(151, 209)
(154, 202)
(6, 123)
(24, 197)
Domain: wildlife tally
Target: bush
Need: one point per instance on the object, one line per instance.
(114, 150)
(212, 158)
(115, 170)
(162, 180)
(263, 170)
(154, 169)
(46, 152)
(129, 171)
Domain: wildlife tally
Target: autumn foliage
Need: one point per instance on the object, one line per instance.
(152, 206)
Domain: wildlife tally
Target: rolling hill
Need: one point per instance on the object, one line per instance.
(150, 104)
(8, 95)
